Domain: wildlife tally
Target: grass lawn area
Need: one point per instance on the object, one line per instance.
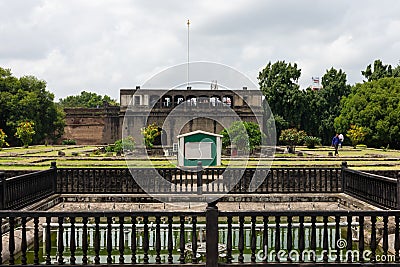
(40, 157)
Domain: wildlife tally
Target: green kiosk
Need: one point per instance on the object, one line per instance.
(199, 146)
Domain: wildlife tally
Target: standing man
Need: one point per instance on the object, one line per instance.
(335, 143)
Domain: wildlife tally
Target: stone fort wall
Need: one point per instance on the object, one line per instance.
(92, 126)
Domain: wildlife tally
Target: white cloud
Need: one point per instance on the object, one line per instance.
(103, 46)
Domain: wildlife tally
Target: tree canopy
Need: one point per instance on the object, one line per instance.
(86, 100)
(380, 71)
(311, 110)
(374, 106)
(26, 99)
(278, 82)
(244, 135)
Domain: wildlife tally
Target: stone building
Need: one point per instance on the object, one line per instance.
(176, 111)
(180, 111)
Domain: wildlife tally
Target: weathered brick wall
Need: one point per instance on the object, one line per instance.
(92, 126)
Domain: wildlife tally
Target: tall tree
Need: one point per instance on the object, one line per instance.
(374, 106)
(26, 99)
(86, 100)
(334, 88)
(278, 82)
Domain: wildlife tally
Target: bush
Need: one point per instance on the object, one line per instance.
(312, 141)
(292, 137)
(67, 142)
(110, 148)
(126, 144)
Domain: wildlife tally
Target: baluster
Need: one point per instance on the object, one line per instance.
(97, 240)
(60, 240)
(289, 237)
(72, 243)
(265, 238)
(385, 237)
(158, 240)
(349, 238)
(361, 237)
(396, 239)
(325, 244)
(301, 237)
(109, 240)
(182, 240)
(241, 238)
(48, 241)
(11, 241)
(84, 241)
(253, 238)
(373, 238)
(194, 239)
(170, 240)
(133, 239)
(121, 240)
(313, 236)
(146, 239)
(24, 245)
(180, 181)
(35, 240)
(337, 238)
(229, 240)
(277, 237)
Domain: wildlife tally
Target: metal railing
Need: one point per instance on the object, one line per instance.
(203, 238)
(19, 191)
(378, 190)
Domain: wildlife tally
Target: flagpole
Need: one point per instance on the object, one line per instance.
(188, 23)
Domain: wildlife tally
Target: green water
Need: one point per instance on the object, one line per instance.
(176, 244)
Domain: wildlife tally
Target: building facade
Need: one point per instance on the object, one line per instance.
(175, 112)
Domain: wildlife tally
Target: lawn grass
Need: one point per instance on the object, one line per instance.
(40, 157)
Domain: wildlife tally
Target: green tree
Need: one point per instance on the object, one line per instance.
(149, 134)
(278, 82)
(374, 106)
(25, 132)
(3, 141)
(86, 100)
(292, 137)
(334, 88)
(246, 136)
(26, 99)
(356, 134)
(380, 71)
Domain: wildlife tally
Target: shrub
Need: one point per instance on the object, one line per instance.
(149, 134)
(3, 141)
(126, 144)
(110, 148)
(312, 141)
(69, 142)
(25, 132)
(292, 137)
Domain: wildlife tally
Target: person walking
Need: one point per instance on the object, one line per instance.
(335, 144)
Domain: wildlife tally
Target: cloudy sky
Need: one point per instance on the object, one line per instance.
(104, 45)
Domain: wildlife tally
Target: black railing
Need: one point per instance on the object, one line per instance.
(378, 190)
(20, 191)
(204, 238)
(23, 190)
(213, 180)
